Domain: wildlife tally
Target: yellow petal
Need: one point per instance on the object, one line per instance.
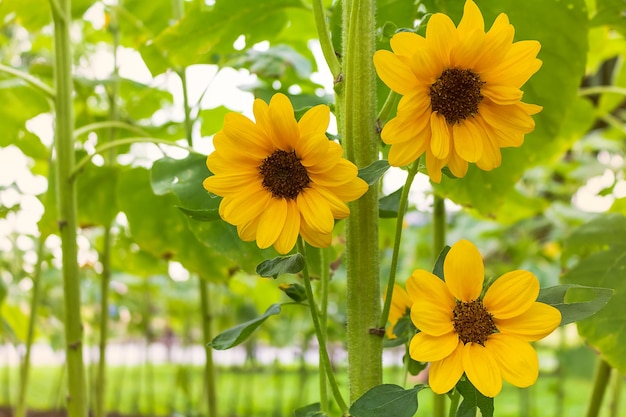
(464, 271)
(271, 223)
(339, 209)
(404, 153)
(482, 369)
(432, 303)
(471, 32)
(287, 238)
(512, 294)
(519, 64)
(444, 374)
(491, 157)
(333, 155)
(472, 19)
(350, 191)
(245, 207)
(501, 94)
(230, 184)
(285, 132)
(343, 172)
(517, 359)
(394, 72)
(315, 120)
(246, 136)
(314, 238)
(433, 166)
(458, 166)
(406, 43)
(536, 323)
(232, 153)
(468, 141)
(496, 44)
(441, 34)
(315, 211)
(312, 149)
(262, 116)
(440, 139)
(427, 348)
(510, 117)
(247, 231)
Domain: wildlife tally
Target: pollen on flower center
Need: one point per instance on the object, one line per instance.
(283, 174)
(472, 322)
(456, 94)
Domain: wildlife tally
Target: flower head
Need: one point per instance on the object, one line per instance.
(486, 337)
(461, 92)
(281, 178)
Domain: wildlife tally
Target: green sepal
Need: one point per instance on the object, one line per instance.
(291, 264)
(294, 291)
(238, 334)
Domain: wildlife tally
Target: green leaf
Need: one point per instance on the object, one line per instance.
(599, 249)
(291, 264)
(238, 334)
(388, 205)
(576, 311)
(438, 268)
(311, 410)
(473, 400)
(387, 400)
(207, 215)
(212, 120)
(372, 173)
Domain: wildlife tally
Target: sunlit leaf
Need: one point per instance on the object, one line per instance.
(473, 400)
(575, 311)
(291, 264)
(387, 400)
(388, 205)
(238, 334)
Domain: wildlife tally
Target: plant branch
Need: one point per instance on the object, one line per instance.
(601, 89)
(29, 79)
(110, 124)
(324, 37)
(600, 383)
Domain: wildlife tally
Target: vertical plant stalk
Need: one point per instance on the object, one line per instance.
(439, 241)
(361, 144)
(324, 281)
(321, 335)
(601, 381)
(20, 407)
(207, 333)
(616, 399)
(109, 156)
(66, 198)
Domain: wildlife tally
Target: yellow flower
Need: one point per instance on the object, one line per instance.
(400, 306)
(461, 92)
(485, 337)
(281, 178)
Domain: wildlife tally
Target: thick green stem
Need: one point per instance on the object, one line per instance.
(321, 335)
(439, 241)
(362, 254)
(207, 332)
(20, 407)
(66, 198)
(324, 37)
(404, 198)
(600, 383)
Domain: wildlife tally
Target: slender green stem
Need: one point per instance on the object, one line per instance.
(110, 124)
(600, 383)
(404, 198)
(122, 142)
(360, 138)
(324, 36)
(616, 399)
(454, 403)
(614, 122)
(105, 276)
(188, 122)
(439, 239)
(29, 79)
(321, 337)
(20, 408)
(324, 281)
(599, 89)
(66, 200)
(525, 402)
(388, 106)
(207, 333)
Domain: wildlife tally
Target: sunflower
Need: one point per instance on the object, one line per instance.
(461, 92)
(401, 305)
(281, 178)
(486, 337)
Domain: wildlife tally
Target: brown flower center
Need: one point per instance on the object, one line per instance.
(472, 322)
(283, 174)
(456, 94)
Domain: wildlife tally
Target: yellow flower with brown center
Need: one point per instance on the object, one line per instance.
(461, 92)
(486, 337)
(281, 178)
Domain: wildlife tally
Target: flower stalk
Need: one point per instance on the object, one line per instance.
(439, 241)
(66, 197)
(358, 129)
(600, 383)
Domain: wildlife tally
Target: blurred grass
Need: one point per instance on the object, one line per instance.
(160, 390)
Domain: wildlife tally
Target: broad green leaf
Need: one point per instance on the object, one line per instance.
(571, 312)
(19, 104)
(212, 120)
(95, 195)
(554, 87)
(15, 319)
(183, 178)
(388, 205)
(372, 173)
(473, 400)
(238, 334)
(205, 32)
(311, 410)
(601, 263)
(387, 400)
(207, 215)
(611, 13)
(291, 264)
